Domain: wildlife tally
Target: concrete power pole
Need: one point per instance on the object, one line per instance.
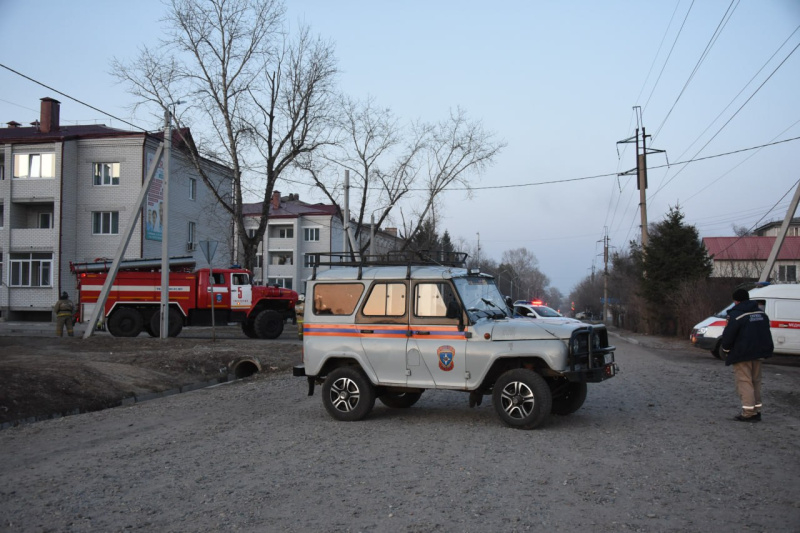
(605, 277)
(641, 173)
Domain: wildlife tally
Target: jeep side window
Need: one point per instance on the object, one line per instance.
(336, 298)
(386, 299)
(431, 299)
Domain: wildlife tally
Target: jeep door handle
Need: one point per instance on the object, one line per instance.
(367, 331)
(422, 333)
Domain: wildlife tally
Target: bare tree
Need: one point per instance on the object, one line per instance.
(381, 156)
(456, 147)
(259, 98)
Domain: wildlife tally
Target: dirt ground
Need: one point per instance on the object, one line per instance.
(44, 376)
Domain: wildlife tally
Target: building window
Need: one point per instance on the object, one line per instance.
(45, 220)
(192, 233)
(251, 233)
(31, 269)
(285, 283)
(105, 223)
(311, 234)
(192, 189)
(2, 215)
(34, 166)
(259, 261)
(286, 233)
(280, 258)
(787, 273)
(308, 260)
(106, 173)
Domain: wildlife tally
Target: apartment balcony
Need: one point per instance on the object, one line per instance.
(33, 239)
(34, 190)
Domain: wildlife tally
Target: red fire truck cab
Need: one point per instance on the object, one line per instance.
(133, 304)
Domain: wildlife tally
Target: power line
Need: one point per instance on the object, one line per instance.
(731, 118)
(72, 98)
(717, 32)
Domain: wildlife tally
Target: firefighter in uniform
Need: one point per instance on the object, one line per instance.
(64, 309)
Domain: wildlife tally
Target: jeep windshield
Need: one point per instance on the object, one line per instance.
(481, 297)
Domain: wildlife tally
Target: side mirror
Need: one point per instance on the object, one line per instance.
(509, 302)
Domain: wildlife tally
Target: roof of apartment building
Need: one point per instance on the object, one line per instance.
(288, 207)
(48, 128)
(774, 224)
(750, 248)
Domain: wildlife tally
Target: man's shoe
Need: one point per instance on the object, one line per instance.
(754, 418)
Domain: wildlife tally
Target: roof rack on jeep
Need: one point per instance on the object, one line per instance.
(406, 258)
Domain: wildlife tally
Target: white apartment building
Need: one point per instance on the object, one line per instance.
(67, 193)
(296, 231)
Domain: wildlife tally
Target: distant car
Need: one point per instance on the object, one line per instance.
(541, 313)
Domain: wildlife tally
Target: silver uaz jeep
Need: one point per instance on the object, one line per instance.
(392, 330)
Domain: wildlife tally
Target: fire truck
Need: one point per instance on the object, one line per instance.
(134, 302)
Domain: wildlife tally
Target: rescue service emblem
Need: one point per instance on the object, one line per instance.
(446, 355)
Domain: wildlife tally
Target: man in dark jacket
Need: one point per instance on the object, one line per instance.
(747, 340)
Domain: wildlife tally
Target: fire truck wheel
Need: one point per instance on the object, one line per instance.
(175, 323)
(268, 324)
(125, 322)
(249, 330)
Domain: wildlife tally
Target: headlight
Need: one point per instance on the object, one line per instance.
(702, 331)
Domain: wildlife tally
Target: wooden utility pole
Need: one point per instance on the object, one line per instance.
(605, 277)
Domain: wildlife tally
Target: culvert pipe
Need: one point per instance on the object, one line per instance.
(245, 367)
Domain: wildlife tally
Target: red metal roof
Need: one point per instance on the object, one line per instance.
(749, 248)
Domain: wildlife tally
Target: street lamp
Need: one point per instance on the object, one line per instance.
(511, 280)
(372, 228)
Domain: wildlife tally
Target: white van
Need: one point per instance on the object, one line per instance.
(782, 305)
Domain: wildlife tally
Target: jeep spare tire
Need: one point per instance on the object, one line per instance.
(399, 400)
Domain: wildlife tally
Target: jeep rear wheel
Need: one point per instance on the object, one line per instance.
(522, 398)
(570, 398)
(347, 394)
(399, 400)
(268, 324)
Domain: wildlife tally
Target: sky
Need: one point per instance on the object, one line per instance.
(716, 83)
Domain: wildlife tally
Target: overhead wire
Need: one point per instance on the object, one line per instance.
(72, 98)
(717, 32)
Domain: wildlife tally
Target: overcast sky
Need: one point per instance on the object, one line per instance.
(557, 81)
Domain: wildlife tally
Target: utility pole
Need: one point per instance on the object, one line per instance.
(641, 171)
(605, 277)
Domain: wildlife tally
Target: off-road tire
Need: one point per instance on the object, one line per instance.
(570, 399)
(347, 394)
(249, 330)
(125, 322)
(268, 324)
(175, 323)
(399, 400)
(522, 398)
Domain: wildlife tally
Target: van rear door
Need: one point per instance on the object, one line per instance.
(785, 324)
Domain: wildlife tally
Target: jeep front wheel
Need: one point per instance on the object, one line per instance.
(522, 398)
(347, 394)
(399, 400)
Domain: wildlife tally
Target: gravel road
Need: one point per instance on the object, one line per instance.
(654, 449)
